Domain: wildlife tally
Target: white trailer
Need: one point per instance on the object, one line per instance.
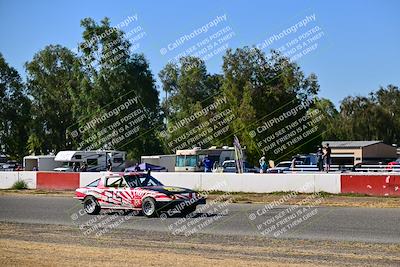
(41, 163)
(95, 160)
(166, 161)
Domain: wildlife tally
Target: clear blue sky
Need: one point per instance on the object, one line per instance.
(358, 52)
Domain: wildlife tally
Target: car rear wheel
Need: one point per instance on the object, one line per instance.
(149, 207)
(91, 206)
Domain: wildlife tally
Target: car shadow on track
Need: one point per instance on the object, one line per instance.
(175, 215)
(196, 215)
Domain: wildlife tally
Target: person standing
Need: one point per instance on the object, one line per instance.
(83, 167)
(207, 164)
(109, 165)
(263, 165)
(75, 167)
(293, 164)
(320, 162)
(328, 153)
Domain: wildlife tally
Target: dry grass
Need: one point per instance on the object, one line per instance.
(24, 253)
(330, 200)
(52, 245)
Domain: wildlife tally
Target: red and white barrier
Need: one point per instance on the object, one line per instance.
(376, 185)
(362, 183)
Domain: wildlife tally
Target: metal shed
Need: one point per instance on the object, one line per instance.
(353, 152)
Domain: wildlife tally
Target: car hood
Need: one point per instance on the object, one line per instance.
(169, 189)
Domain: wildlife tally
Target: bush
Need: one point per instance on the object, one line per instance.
(20, 184)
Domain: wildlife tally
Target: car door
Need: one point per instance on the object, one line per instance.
(137, 191)
(125, 194)
(111, 193)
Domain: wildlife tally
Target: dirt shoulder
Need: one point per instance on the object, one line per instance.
(37, 192)
(65, 245)
(329, 200)
(302, 199)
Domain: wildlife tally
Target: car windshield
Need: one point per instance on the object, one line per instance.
(191, 161)
(67, 164)
(229, 164)
(186, 161)
(141, 180)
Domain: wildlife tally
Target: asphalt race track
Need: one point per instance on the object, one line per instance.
(327, 223)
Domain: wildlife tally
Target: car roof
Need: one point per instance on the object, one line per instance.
(131, 173)
(111, 174)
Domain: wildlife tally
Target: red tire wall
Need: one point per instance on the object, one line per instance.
(57, 180)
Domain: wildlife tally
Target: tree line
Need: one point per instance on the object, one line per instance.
(64, 89)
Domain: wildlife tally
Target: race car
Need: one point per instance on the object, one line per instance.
(139, 192)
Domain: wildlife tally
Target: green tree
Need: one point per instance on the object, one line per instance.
(329, 124)
(371, 117)
(34, 145)
(258, 87)
(189, 89)
(188, 84)
(113, 74)
(14, 112)
(388, 100)
(52, 76)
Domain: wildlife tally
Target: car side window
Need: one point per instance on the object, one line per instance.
(113, 181)
(146, 181)
(123, 183)
(134, 182)
(94, 183)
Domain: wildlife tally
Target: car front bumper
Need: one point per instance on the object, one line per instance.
(179, 205)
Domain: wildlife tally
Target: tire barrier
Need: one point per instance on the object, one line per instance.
(57, 181)
(374, 185)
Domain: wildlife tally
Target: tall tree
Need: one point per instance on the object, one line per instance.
(187, 84)
(14, 112)
(112, 75)
(388, 100)
(259, 88)
(52, 76)
(190, 89)
(328, 124)
(252, 85)
(372, 117)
